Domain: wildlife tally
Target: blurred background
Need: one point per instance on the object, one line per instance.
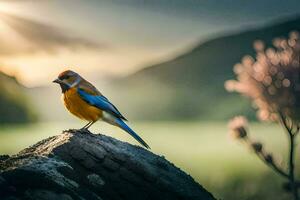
(162, 63)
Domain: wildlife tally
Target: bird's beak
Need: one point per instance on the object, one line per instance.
(57, 81)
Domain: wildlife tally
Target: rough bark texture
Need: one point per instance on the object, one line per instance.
(80, 165)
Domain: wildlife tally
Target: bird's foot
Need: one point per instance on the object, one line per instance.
(70, 131)
(84, 130)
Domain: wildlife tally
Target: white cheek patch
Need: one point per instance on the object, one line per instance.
(76, 82)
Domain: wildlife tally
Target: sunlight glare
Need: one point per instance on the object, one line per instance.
(7, 7)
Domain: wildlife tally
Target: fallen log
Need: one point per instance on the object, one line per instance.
(81, 165)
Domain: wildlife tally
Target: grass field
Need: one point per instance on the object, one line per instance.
(203, 149)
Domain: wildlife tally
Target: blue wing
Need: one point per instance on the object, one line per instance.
(100, 102)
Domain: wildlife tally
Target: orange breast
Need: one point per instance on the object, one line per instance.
(78, 107)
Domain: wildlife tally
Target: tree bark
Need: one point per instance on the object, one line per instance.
(80, 165)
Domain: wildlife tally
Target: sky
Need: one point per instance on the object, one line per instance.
(103, 38)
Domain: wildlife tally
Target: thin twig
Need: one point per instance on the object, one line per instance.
(272, 165)
(292, 167)
(291, 137)
(283, 122)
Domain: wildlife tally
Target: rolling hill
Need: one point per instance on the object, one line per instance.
(14, 105)
(191, 86)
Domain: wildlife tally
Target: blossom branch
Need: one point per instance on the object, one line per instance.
(271, 80)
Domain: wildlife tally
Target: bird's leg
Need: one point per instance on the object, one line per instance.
(85, 127)
(90, 125)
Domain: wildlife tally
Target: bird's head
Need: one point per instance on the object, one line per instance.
(68, 79)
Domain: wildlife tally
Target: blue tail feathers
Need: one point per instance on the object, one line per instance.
(126, 128)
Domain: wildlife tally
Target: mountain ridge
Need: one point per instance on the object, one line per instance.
(278, 22)
(192, 84)
(14, 104)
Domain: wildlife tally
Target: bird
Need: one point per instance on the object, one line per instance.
(83, 99)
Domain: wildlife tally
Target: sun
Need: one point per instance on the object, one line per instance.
(8, 7)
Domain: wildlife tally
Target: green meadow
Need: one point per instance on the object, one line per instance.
(203, 149)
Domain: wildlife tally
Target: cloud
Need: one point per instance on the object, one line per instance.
(42, 37)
